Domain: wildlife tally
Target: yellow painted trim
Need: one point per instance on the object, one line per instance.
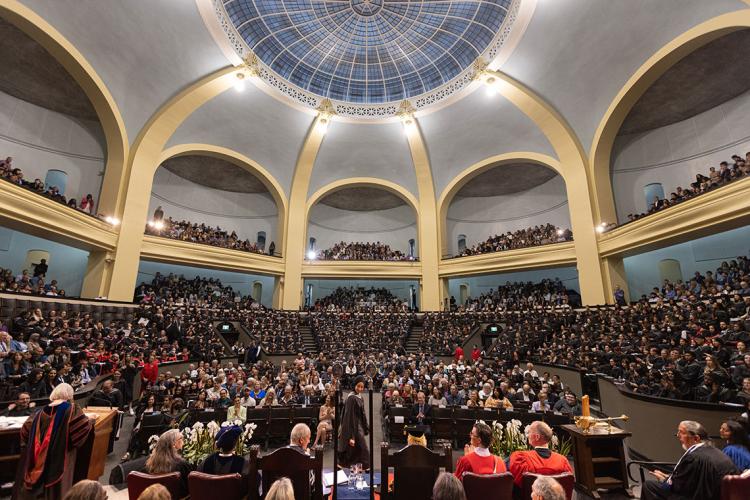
(446, 198)
(559, 254)
(350, 182)
(42, 217)
(93, 86)
(573, 168)
(642, 79)
(194, 254)
(242, 161)
(361, 269)
(290, 287)
(719, 210)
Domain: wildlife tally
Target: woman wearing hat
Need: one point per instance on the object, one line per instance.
(352, 444)
(224, 461)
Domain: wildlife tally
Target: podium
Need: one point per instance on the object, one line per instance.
(92, 456)
(599, 458)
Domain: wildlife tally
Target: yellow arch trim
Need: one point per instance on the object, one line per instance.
(244, 162)
(601, 149)
(478, 168)
(83, 72)
(340, 184)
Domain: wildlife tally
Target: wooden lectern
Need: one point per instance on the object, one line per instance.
(599, 458)
(92, 456)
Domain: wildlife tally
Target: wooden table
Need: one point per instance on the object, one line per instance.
(599, 458)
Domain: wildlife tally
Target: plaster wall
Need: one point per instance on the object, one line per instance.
(39, 140)
(703, 254)
(66, 264)
(246, 213)
(482, 284)
(674, 154)
(399, 288)
(238, 281)
(481, 217)
(393, 227)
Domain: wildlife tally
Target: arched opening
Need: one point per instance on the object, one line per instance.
(257, 293)
(34, 259)
(652, 193)
(463, 293)
(363, 220)
(670, 269)
(505, 205)
(56, 179)
(236, 207)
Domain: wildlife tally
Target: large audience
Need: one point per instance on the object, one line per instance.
(363, 251)
(728, 171)
(360, 299)
(13, 174)
(543, 234)
(30, 283)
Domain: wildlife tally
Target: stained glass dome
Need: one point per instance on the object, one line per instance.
(368, 51)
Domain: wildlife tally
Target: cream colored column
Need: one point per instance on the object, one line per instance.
(429, 246)
(294, 239)
(98, 276)
(573, 163)
(613, 270)
(146, 155)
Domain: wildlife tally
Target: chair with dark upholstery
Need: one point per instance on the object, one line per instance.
(566, 480)
(735, 488)
(210, 487)
(139, 481)
(286, 462)
(415, 469)
(488, 486)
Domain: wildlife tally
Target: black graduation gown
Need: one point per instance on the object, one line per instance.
(698, 475)
(354, 426)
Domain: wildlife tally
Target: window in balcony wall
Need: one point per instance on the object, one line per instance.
(257, 293)
(411, 247)
(463, 293)
(35, 257)
(461, 243)
(653, 192)
(312, 244)
(56, 178)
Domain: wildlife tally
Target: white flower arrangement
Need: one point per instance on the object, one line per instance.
(510, 437)
(200, 439)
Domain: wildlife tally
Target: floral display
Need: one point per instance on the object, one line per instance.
(509, 438)
(200, 440)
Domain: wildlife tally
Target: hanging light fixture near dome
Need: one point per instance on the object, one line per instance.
(239, 84)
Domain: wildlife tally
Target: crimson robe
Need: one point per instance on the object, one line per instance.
(533, 461)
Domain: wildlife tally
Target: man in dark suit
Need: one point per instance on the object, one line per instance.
(174, 328)
(698, 472)
(252, 353)
(421, 412)
(308, 398)
(299, 440)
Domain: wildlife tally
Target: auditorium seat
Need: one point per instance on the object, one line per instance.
(139, 481)
(566, 480)
(203, 486)
(488, 486)
(415, 469)
(735, 488)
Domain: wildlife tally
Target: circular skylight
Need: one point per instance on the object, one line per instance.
(368, 51)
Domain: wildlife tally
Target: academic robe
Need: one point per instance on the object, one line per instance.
(354, 426)
(538, 461)
(477, 464)
(698, 474)
(49, 440)
(222, 465)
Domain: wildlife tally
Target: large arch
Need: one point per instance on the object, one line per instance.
(446, 197)
(601, 150)
(242, 161)
(112, 193)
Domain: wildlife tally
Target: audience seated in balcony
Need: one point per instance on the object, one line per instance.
(199, 233)
(30, 283)
(522, 238)
(15, 175)
(361, 299)
(729, 171)
(363, 251)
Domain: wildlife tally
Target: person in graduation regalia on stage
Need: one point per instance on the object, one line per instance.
(49, 439)
(352, 444)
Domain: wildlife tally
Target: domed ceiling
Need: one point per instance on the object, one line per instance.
(368, 52)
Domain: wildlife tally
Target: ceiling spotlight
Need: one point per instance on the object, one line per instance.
(491, 87)
(112, 220)
(239, 84)
(311, 255)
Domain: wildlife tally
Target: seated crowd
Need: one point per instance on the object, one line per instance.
(32, 283)
(729, 171)
(362, 251)
(360, 332)
(521, 295)
(360, 299)
(15, 175)
(544, 234)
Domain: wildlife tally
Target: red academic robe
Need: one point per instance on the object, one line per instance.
(531, 461)
(479, 465)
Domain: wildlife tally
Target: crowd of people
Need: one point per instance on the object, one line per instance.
(520, 295)
(543, 234)
(14, 174)
(363, 251)
(202, 233)
(729, 171)
(361, 332)
(360, 299)
(31, 283)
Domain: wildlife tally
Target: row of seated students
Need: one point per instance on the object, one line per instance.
(360, 299)
(35, 283)
(363, 251)
(543, 234)
(728, 171)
